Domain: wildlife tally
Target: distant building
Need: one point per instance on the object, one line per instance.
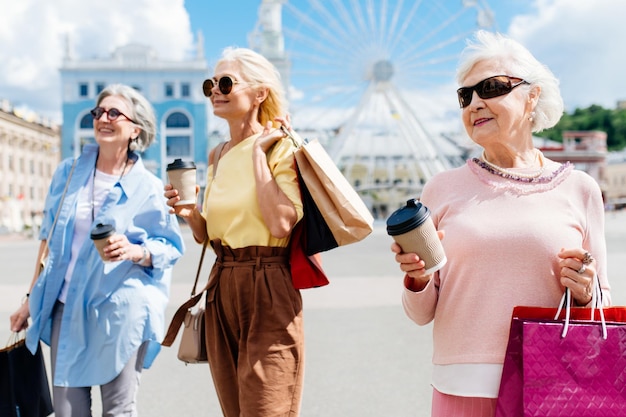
(173, 87)
(616, 180)
(29, 153)
(586, 149)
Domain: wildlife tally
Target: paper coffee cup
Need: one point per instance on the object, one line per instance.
(100, 236)
(182, 176)
(413, 229)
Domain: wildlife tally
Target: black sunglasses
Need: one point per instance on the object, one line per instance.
(225, 85)
(491, 87)
(112, 113)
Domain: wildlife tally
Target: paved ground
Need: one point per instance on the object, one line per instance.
(364, 357)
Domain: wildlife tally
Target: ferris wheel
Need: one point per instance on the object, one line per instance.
(367, 72)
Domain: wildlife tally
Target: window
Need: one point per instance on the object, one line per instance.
(184, 90)
(178, 146)
(83, 90)
(84, 133)
(87, 121)
(169, 90)
(99, 88)
(178, 134)
(177, 120)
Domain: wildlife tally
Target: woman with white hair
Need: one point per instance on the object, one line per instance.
(104, 317)
(518, 227)
(255, 339)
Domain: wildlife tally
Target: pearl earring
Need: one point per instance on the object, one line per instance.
(531, 117)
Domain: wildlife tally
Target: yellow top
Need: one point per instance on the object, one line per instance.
(230, 205)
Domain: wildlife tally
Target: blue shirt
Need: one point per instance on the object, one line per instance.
(111, 308)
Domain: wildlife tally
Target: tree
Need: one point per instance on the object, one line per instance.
(594, 117)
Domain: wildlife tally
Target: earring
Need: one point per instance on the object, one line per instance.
(532, 116)
(133, 144)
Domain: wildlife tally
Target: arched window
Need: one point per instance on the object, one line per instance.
(177, 120)
(87, 121)
(178, 136)
(84, 133)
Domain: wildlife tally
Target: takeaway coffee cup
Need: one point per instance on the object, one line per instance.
(413, 229)
(182, 176)
(100, 236)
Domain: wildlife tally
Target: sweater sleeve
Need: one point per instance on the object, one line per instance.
(593, 235)
(420, 306)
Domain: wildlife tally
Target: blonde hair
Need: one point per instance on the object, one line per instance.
(257, 71)
(142, 114)
(489, 46)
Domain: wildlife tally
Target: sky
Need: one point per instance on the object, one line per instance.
(579, 40)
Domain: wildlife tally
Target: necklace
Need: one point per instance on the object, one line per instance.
(93, 187)
(537, 180)
(514, 175)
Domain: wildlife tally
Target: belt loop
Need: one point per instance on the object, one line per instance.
(258, 263)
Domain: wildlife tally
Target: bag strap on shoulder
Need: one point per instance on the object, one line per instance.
(179, 316)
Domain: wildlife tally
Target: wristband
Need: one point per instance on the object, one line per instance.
(144, 256)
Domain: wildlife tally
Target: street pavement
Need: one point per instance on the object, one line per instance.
(364, 358)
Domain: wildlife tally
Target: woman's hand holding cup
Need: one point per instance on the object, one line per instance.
(173, 199)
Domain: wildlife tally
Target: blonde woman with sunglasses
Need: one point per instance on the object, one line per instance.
(255, 339)
(103, 317)
(517, 227)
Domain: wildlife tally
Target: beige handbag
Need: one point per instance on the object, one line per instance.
(192, 347)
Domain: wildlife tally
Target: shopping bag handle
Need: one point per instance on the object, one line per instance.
(295, 138)
(15, 338)
(596, 303)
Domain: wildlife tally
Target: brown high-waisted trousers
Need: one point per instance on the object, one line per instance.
(254, 332)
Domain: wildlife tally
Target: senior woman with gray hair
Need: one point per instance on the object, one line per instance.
(103, 318)
(519, 228)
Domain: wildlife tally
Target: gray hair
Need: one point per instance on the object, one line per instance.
(142, 114)
(258, 71)
(519, 60)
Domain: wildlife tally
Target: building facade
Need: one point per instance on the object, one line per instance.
(174, 88)
(29, 153)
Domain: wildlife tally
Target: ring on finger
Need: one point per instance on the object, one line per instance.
(582, 269)
(587, 258)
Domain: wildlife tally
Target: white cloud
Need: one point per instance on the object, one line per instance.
(33, 33)
(581, 42)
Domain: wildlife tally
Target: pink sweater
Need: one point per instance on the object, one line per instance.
(502, 239)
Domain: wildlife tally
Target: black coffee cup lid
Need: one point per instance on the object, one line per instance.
(180, 164)
(102, 231)
(407, 218)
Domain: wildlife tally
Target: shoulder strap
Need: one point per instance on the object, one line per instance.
(56, 216)
(217, 155)
(179, 316)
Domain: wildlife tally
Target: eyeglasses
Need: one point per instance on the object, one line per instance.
(112, 113)
(491, 87)
(225, 85)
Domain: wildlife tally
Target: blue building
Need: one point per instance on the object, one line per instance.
(173, 87)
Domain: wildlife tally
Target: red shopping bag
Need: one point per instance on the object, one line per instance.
(579, 374)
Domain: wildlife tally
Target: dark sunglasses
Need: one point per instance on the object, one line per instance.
(491, 87)
(225, 85)
(112, 113)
